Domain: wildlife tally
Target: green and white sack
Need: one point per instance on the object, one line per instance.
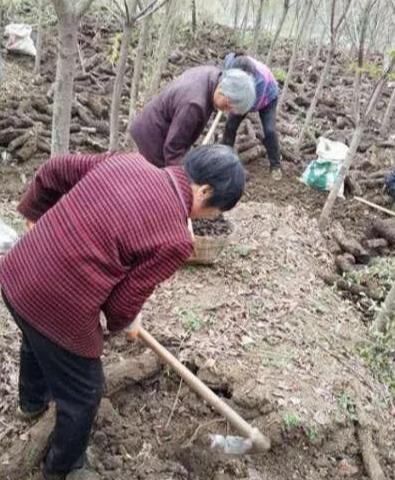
(322, 172)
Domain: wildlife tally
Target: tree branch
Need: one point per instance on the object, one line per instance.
(127, 14)
(82, 7)
(342, 17)
(143, 9)
(120, 14)
(378, 88)
(148, 11)
(333, 18)
(61, 8)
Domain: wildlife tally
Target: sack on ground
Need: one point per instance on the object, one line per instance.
(322, 172)
(19, 39)
(8, 237)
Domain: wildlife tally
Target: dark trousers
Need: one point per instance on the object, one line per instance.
(75, 383)
(268, 120)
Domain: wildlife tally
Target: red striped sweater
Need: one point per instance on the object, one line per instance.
(109, 229)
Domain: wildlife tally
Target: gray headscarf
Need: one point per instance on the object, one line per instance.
(239, 87)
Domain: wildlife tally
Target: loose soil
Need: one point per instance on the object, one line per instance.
(259, 327)
(217, 227)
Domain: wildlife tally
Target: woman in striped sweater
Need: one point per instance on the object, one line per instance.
(106, 229)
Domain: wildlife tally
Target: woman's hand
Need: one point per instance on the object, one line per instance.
(30, 224)
(132, 331)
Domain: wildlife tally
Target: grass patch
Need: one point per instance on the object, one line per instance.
(291, 420)
(193, 321)
(379, 355)
(311, 433)
(279, 74)
(190, 268)
(377, 278)
(243, 250)
(347, 404)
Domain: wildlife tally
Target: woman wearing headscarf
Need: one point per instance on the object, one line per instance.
(173, 120)
(265, 104)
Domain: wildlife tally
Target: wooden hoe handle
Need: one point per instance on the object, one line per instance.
(260, 441)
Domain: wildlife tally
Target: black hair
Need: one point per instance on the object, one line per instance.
(244, 63)
(220, 167)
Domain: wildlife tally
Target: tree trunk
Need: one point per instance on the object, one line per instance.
(386, 314)
(278, 31)
(307, 41)
(236, 17)
(194, 20)
(318, 53)
(317, 96)
(68, 20)
(119, 82)
(388, 114)
(163, 48)
(244, 23)
(257, 28)
(361, 51)
(334, 28)
(295, 21)
(37, 62)
(2, 18)
(63, 91)
(326, 211)
(138, 67)
(269, 28)
(364, 119)
(292, 61)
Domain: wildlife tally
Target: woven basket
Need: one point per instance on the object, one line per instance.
(207, 249)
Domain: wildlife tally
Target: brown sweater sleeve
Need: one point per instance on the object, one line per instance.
(55, 178)
(186, 126)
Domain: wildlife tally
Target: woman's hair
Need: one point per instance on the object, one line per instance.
(239, 88)
(241, 61)
(220, 167)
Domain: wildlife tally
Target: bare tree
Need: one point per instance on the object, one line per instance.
(307, 41)
(361, 122)
(296, 19)
(363, 24)
(388, 114)
(137, 71)
(386, 314)
(129, 18)
(286, 5)
(69, 15)
(296, 43)
(39, 41)
(244, 22)
(194, 20)
(163, 47)
(334, 29)
(318, 52)
(236, 14)
(257, 27)
(2, 19)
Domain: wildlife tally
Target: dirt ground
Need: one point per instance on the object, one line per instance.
(259, 327)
